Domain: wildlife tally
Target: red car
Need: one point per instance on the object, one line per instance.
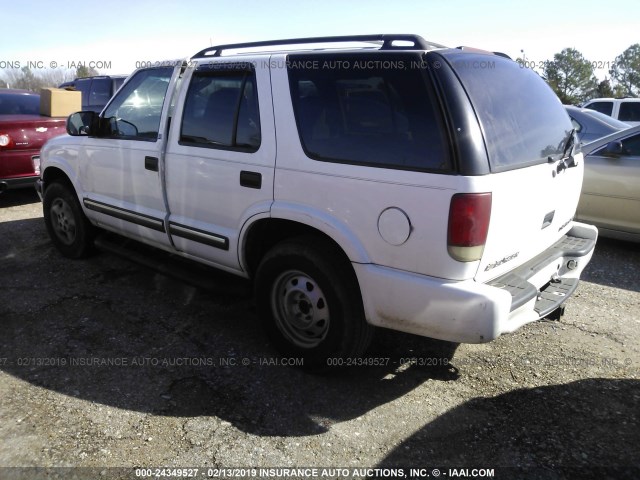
(23, 132)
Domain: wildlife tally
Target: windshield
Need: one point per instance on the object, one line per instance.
(523, 121)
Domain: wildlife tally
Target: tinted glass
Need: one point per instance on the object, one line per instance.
(629, 112)
(100, 91)
(631, 146)
(221, 110)
(523, 120)
(602, 107)
(118, 83)
(19, 104)
(83, 85)
(136, 109)
(370, 109)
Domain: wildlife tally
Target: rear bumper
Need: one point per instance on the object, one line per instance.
(16, 169)
(472, 312)
(17, 182)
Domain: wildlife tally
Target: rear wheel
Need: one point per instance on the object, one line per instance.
(69, 229)
(310, 304)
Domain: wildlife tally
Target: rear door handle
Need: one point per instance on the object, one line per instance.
(151, 163)
(250, 179)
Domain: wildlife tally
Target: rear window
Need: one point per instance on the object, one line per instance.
(523, 120)
(19, 104)
(602, 107)
(367, 109)
(629, 112)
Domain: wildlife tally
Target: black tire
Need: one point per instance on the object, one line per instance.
(309, 300)
(69, 229)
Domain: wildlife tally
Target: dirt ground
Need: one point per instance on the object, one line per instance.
(107, 366)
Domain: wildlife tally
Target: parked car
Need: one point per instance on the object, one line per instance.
(591, 124)
(23, 131)
(403, 185)
(624, 109)
(96, 91)
(610, 195)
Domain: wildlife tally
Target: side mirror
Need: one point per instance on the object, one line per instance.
(613, 149)
(83, 123)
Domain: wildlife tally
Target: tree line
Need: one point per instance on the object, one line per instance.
(26, 79)
(572, 76)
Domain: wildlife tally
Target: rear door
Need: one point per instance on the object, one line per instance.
(220, 157)
(526, 131)
(611, 190)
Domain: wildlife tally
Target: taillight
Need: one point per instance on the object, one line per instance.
(5, 140)
(469, 216)
(35, 163)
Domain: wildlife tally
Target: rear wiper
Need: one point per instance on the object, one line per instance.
(567, 161)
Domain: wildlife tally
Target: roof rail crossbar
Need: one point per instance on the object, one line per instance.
(387, 40)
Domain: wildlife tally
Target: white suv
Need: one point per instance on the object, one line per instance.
(624, 109)
(395, 183)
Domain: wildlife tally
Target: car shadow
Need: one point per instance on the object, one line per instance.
(22, 196)
(534, 433)
(615, 263)
(109, 331)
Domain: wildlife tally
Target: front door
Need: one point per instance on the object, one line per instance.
(121, 171)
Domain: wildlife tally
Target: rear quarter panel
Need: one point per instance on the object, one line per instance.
(28, 134)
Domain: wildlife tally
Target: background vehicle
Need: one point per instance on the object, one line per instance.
(401, 184)
(591, 124)
(23, 131)
(624, 109)
(96, 91)
(610, 195)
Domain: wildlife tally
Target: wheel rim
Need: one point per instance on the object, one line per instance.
(63, 221)
(300, 309)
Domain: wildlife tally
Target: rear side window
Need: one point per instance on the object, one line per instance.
(602, 107)
(100, 91)
(523, 120)
(629, 112)
(368, 109)
(83, 85)
(221, 111)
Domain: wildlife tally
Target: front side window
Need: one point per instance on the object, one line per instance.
(629, 112)
(374, 110)
(631, 146)
(136, 110)
(221, 111)
(602, 107)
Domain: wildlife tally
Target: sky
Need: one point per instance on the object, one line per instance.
(118, 36)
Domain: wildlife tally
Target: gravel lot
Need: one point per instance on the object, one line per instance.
(106, 363)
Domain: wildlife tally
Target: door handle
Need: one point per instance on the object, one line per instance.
(250, 179)
(151, 163)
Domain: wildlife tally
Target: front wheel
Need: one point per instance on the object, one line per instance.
(69, 229)
(310, 303)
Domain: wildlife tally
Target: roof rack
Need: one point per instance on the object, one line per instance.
(387, 40)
